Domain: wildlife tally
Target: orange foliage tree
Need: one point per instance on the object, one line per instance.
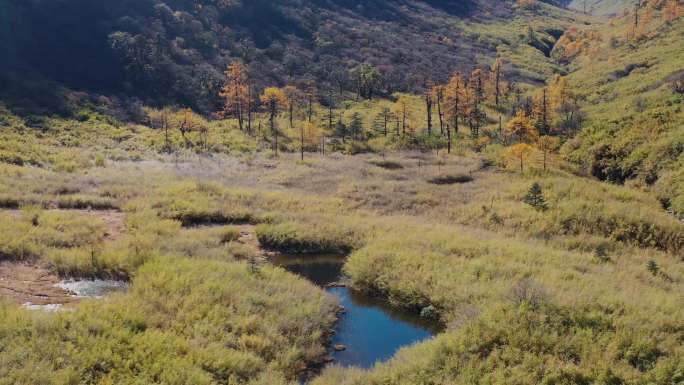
(236, 93)
(274, 99)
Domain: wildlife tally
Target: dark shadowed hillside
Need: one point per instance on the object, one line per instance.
(174, 51)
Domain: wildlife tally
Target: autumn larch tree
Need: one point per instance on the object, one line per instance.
(635, 25)
(518, 153)
(293, 98)
(546, 144)
(310, 93)
(236, 92)
(541, 113)
(496, 80)
(520, 128)
(477, 96)
(274, 99)
(454, 99)
(401, 108)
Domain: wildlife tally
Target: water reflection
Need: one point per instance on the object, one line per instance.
(371, 330)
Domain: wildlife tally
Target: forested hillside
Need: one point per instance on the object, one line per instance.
(175, 51)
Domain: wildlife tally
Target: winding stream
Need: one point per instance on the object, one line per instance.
(370, 330)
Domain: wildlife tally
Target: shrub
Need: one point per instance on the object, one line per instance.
(535, 198)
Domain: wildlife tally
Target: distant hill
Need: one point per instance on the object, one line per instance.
(602, 7)
(174, 51)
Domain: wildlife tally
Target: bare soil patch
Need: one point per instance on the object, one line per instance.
(23, 283)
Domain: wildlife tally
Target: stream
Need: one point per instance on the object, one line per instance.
(371, 330)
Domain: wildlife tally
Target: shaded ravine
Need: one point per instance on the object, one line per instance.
(370, 330)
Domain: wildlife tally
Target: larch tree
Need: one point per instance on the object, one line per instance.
(520, 128)
(496, 78)
(428, 108)
(235, 92)
(477, 115)
(293, 98)
(403, 113)
(546, 144)
(186, 124)
(438, 92)
(356, 126)
(559, 92)
(518, 153)
(274, 99)
(454, 99)
(382, 120)
(541, 113)
(635, 24)
(310, 93)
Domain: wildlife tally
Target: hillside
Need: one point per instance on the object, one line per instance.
(635, 128)
(608, 8)
(175, 52)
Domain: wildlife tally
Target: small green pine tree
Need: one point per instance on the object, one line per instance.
(535, 198)
(653, 267)
(356, 126)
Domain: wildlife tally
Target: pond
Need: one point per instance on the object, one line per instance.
(93, 288)
(70, 292)
(370, 330)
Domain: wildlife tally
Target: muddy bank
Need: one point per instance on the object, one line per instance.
(26, 284)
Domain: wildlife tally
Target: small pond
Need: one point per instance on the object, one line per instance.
(95, 288)
(72, 291)
(370, 329)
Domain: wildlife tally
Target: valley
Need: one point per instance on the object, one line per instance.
(386, 192)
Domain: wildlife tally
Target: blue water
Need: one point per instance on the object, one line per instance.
(370, 329)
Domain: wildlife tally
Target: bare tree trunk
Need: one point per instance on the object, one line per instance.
(440, 112)
(249, 109)
(428, 105)
(238, 109)
(291, 114)
(310, 108)
(448, 130)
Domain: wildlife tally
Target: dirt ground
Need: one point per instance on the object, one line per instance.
(24, 283)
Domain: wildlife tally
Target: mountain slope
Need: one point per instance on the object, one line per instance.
(174, 51)
(602, 7)
(635, 131)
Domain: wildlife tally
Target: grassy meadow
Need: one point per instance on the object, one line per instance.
(560, 264)
(570, 286)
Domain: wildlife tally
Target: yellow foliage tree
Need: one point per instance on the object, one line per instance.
(517, 154)
(402, 110)
(546, 144)
(560, 92)
(521, 129)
